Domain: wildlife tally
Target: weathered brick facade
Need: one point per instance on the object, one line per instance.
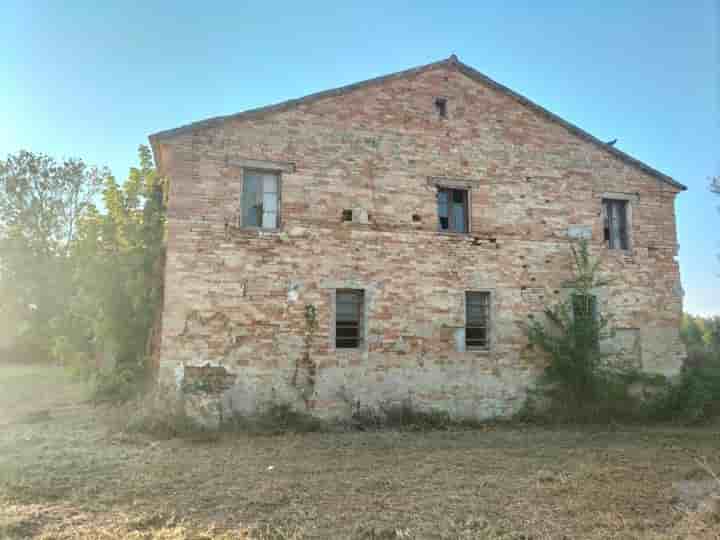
(235, 298)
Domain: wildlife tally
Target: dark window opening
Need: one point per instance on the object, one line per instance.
(453, 210)
(260, 200)
(584, 307)
(585, 314)
(416, 218)
(615, 224)
(441, 107)
(477, 320)
(347, 215)
(348, 318)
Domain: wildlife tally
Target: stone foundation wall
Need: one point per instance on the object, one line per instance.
(235, 298)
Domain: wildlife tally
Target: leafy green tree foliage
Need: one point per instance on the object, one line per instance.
(41, 204)
(696, 396)
(119, 258)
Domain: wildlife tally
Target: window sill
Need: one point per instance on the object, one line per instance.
(481, 352)
(258, 230)
(625, 253)
(453, 234)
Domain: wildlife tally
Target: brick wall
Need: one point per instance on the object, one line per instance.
(236, 298)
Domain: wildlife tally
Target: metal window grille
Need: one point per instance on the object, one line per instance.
(348, 318)
(477, 320)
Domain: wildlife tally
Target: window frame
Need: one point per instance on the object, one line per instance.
(489, 323)
(622, 242)
(262, 171)
(630, 201)
(594, 312)
(594, 309)
(441, 106)
(467, 200)
(361, 318)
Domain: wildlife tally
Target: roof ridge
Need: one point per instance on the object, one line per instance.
(453, 61)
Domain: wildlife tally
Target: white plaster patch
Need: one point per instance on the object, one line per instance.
(579, 231)
(293, 292)
(179, 374)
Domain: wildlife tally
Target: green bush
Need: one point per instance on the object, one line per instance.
(579, 386)
(119, 385)
(694, 399)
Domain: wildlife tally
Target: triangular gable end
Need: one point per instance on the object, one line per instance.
(453, 62)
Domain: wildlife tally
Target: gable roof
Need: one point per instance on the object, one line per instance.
(452, 61)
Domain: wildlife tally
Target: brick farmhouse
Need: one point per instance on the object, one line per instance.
(385, 241)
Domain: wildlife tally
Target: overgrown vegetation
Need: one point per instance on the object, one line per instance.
(42, 203)
(696, 397)
(577, 384)
(275, 419)
(83, 283)
(581, 382)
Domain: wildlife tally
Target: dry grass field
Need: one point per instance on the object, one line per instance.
(64, 473)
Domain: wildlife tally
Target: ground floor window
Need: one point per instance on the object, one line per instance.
(477, 320)
(348, 318)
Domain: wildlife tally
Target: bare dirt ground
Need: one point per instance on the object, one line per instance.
(65, 474)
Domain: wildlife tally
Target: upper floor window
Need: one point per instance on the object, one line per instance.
(615, 223)
(260, 197)
(477, 320)
(441, 106)
(453, 210)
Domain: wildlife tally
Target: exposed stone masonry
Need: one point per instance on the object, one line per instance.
(236, 297)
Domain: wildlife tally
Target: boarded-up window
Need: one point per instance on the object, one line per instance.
(348, 318)
(615, 224)
(477, 320)
(453, 210)
(260, 199)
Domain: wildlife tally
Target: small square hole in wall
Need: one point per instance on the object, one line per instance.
(347, 215)
(441, 106)
(416, 218)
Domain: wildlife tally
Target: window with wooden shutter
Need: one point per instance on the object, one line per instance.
(453, 210)
(477, 320)
(615, 224)
(260, 199)
(348, 318)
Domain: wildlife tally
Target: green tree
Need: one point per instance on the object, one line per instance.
(576, 380)
(41, 204)
(118, 275)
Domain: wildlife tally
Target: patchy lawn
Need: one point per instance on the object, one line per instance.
(64, 474)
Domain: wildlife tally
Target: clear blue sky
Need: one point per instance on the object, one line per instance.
(91, 80)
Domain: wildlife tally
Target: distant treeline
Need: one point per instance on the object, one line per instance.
(702, 339)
